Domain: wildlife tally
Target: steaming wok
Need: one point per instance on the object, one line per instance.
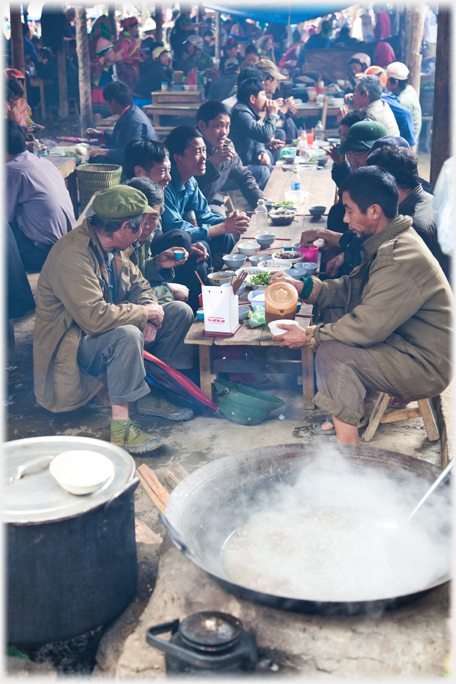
(217, 499)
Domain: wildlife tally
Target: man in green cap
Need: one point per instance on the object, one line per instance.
(95, 313)
(360, 138)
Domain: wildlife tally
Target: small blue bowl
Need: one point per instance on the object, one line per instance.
(244, 312)
(200, 315)
(179, 254)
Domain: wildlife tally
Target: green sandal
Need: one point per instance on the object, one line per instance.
(316, 428)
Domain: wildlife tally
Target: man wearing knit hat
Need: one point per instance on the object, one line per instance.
(95, 313)
(398, 84)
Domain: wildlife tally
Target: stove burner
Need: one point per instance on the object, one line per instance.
(206, 642)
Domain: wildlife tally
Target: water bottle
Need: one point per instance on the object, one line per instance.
(302, 144)
(318, 131)
(261, 218)
(32, 70)
(296, 179)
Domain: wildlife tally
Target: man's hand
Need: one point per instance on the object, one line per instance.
(337, 157)
(280, 277)
(343, 111)
(155, 314)
(264, 159)
(99, 153)
(167, 259)
(295, 338)
(271, 107)
(292, 106)
(236, 222)
(200, 251)
(309, 236)
(276, 145)
(222, 154)
(180, 292)
(333, 266)
(149, 333)
(93, 133)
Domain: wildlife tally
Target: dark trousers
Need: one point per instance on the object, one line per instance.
(33, 254)
(185, 274)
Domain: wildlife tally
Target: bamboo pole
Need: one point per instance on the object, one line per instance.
(112, 21)
(17, 39)
(217, 40)
(82, 48)
(158, 16)
(63, 85)
(413, 59)
(441, 124)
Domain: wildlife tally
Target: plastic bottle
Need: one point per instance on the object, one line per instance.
(302, 144)
(318, 131)
(296, 179)
(32, 70)
(261, 218)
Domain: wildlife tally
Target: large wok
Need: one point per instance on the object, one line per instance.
(215, 500)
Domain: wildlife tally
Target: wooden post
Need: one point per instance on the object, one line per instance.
(441, 125)
(143, 13)
(413, 56)
(82, 48)
(200, 17)
(17, 39)
(112, 21)
(158, 16)
(217, 40)
(63, 85)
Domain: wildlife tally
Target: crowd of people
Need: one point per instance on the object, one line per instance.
(112, 286)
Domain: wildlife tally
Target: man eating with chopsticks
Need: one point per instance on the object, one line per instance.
(386, 326)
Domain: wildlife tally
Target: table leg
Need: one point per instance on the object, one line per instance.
(205, 370)
(43, 103)
(308, 390)
(73, 191)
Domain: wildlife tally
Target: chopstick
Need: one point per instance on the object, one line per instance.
(197, 275)
(239, 280)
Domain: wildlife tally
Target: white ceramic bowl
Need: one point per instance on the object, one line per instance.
(275, 331)
(234, 260)
(248, 248)
(266, 239)
(81, 472)
(220, 277)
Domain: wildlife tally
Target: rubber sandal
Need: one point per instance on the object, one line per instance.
(316, 429)
(398, 402)
(364, 422)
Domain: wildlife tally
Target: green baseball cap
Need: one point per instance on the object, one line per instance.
(121, 203)
(362, 135)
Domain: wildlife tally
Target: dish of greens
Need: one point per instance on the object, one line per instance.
(285, 203)
(261, 279)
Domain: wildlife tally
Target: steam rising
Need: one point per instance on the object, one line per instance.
(338, 533)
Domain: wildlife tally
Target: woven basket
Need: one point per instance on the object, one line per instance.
(95, 177)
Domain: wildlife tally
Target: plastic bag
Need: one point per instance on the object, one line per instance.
(258, 317)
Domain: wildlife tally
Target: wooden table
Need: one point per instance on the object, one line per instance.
(314, 109)
(178, 96)
(36, 82)
(155, 111)
(268, 356)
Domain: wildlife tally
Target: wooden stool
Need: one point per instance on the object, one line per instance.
(377, 416)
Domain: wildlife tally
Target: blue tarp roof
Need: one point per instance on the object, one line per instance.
(267, 10)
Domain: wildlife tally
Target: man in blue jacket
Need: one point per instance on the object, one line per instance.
(132, 123)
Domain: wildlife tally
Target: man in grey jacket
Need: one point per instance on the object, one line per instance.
(387, 325)
(224, 169)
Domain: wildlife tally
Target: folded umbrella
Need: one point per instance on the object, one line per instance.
(167, 378)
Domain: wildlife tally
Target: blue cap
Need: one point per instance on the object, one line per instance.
(390, 140)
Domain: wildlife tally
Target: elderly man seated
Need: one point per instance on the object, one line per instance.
(387, 324)
(95, 313)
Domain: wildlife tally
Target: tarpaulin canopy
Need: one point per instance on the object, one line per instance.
(268, 11)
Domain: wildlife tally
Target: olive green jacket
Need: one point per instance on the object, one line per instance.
(146, 264)
(72, 299)
(398, 306)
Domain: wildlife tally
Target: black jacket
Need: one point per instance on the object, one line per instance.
(216, 177)
(249, 134)
(153, 74)
(132, 124)
(223, 87)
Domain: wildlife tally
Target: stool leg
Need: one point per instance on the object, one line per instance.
(376, 416)
(429, 420)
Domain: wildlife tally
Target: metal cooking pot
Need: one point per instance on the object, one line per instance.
(72, 562)
(215, 500)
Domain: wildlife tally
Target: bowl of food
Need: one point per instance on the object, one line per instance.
(286, 258)
(317, 211)
(297, 197)
(248, 248)
(256, 259)
(288, 204)
(220, 277)
(244, 312)
(266, 239)
(81, 472)
(258, 281)
(275, 331)
(282, 216)
(234, 260)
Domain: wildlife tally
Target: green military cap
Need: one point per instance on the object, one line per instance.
(121, 203)
(362, 135)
